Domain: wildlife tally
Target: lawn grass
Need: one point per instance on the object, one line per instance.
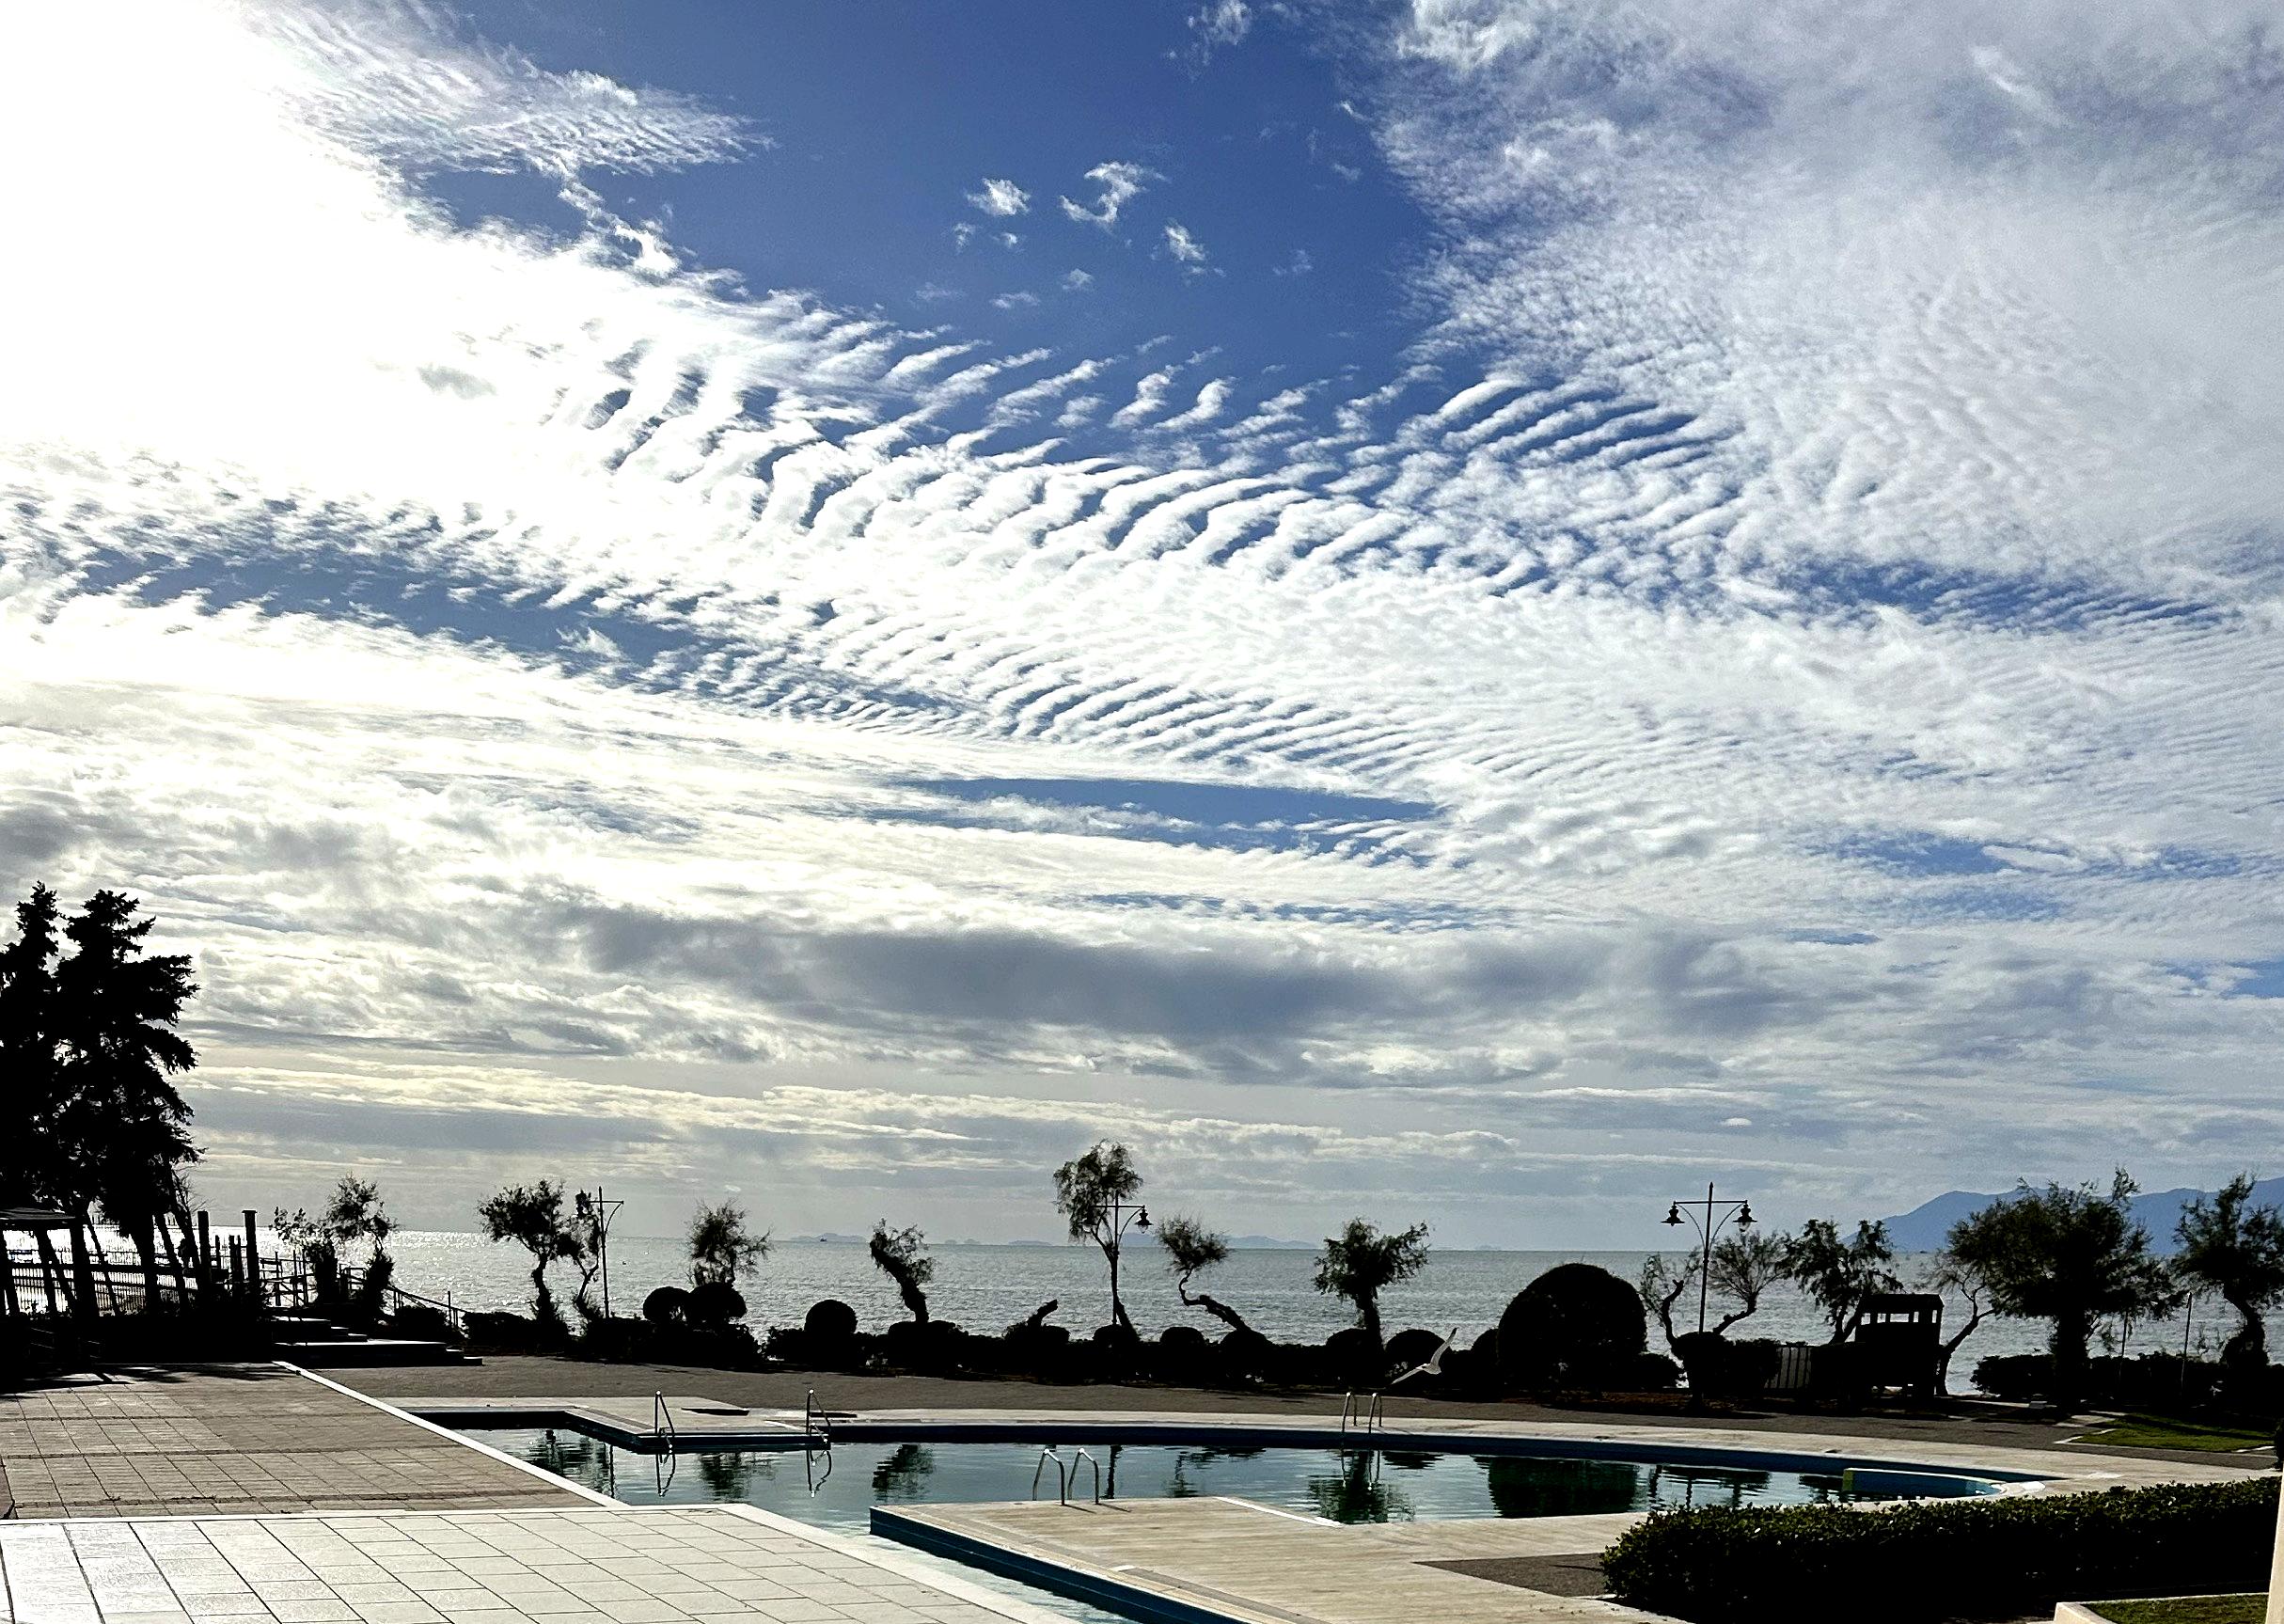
(2186, 1610)
(2169, 1433)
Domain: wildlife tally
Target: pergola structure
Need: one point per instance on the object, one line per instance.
(56, 1279)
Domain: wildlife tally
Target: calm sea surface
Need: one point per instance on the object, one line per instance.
(985, 1288)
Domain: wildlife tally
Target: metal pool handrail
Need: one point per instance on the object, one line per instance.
(1368, 1416)
(1093, 1464)
(1062, 1476)
(662, 1422)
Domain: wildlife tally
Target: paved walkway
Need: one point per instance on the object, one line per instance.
(187, 1440)
(1261, 1565)
(709, 1565)
(309, 1504)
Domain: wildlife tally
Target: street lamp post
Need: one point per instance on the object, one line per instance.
(597, 1213)
(1718, 1216)
(1120, 1214)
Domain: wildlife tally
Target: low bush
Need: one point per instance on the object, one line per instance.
(2146, 1381)
(418, 1320)
(716, 1302)
(1942, 1559)
(1719, 1368)
(505, 1332)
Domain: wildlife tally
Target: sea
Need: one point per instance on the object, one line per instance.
(986, 1288)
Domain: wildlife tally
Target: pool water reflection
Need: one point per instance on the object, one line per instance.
(838, 1491)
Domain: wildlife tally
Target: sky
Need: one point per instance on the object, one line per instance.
(1477, 612)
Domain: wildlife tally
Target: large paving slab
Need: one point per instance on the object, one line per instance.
(187, 1440)
(705, 1565)
(1261, 1565)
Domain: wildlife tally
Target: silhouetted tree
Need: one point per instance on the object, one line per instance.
(1837, 1275)
(723, 1249)
(93, 1118)
(2068, 1256)
(2235, 1249)
(902, 1255)
(1192, 1248)
(354, 1216)
(1743, 1268)
(1089, 1190)
(31, 1154)
(1951, 1277)
(1359, 1263)
(533, 1217)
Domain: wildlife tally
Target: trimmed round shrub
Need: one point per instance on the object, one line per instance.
(716, 1302)
(1186, 1339)
(830, 1321)
(1351, 1355)
(1575, 1326)
(1407, 1349)
(665, 1305)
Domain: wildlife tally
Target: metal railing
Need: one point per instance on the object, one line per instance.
(1368, 1416)
(662, 1424)
(1064, 1471)
(352, 1281)
(1093, 1465)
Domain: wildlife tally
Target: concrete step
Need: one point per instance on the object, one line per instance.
(366, 1350)
(307, 1328)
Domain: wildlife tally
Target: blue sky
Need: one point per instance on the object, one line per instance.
(1308, 239)
(1492, 608)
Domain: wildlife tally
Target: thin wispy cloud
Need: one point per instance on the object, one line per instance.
(1118, 185)
(1001, 198)
(1184, 248)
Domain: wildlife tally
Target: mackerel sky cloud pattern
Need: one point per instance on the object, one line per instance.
(1726, 625)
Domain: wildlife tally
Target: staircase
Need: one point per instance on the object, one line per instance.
(318, 1344)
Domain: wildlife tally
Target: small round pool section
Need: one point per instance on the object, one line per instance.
(838, 1490)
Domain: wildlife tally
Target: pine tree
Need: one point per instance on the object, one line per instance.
(97, 1120)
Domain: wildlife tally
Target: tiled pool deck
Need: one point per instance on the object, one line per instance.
(700, 1565)
(347, 1511)
(264, 1495)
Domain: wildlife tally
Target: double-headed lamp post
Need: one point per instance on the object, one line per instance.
(1121, 1215)
(597, 1213)
(1718, 1216)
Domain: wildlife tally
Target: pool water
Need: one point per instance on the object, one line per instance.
(839, 1491)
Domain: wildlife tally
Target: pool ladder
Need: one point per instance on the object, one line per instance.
(1064, 1472)
(1362, 1412)
(816, 1439)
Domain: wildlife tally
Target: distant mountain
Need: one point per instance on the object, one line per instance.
(1924, 1227)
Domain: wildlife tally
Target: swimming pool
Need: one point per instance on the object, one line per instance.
(838, 1489)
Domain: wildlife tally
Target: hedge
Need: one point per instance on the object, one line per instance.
(1940, 1559)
